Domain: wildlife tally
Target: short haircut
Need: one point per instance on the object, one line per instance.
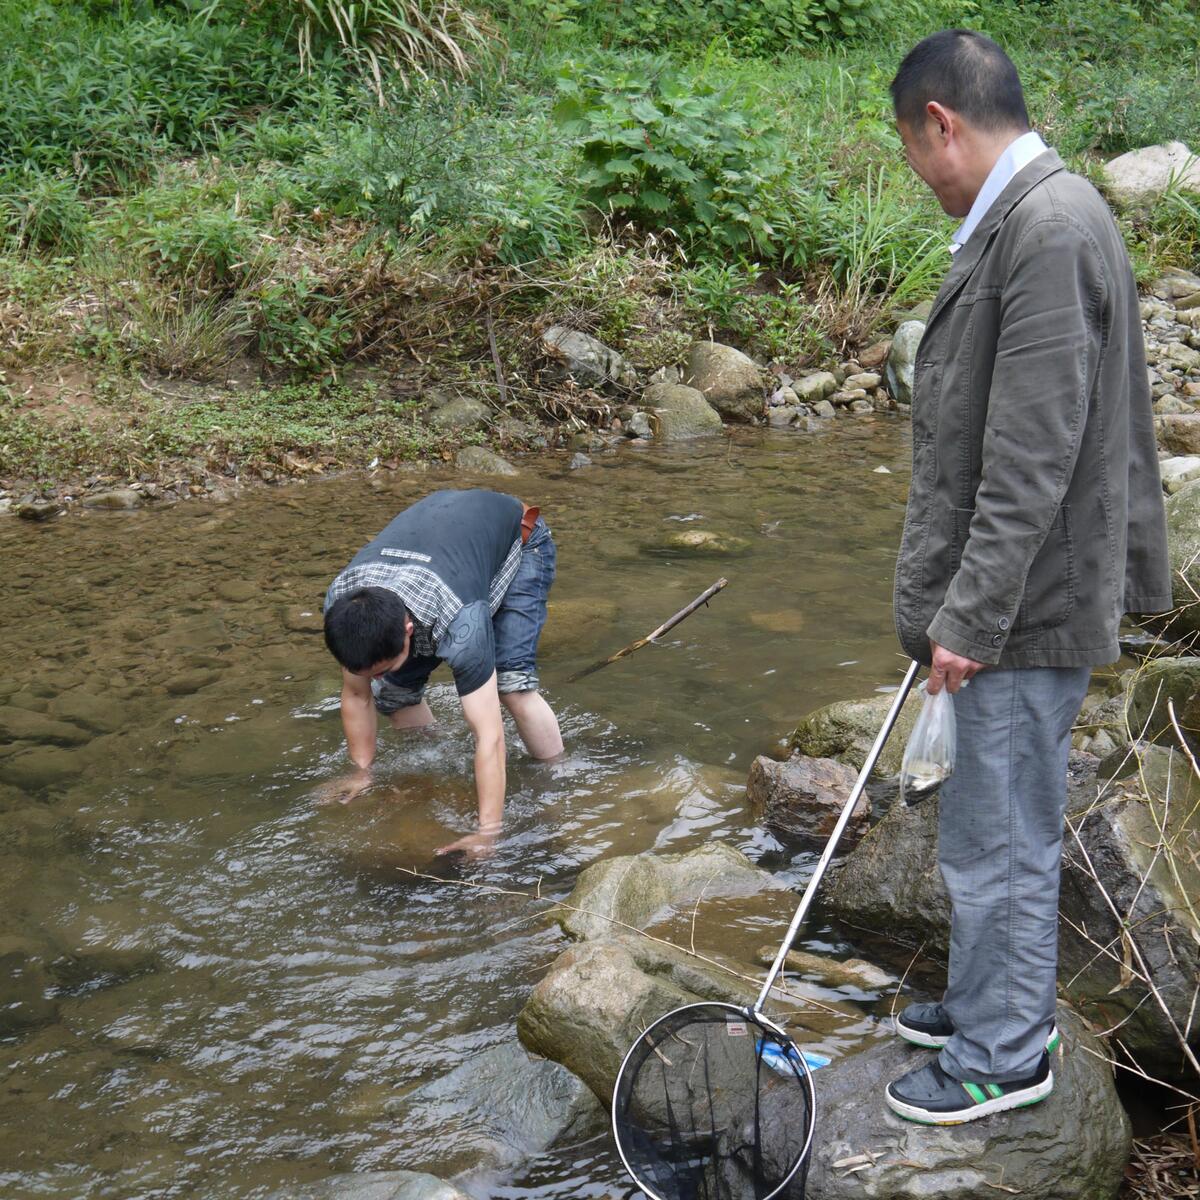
(966, 72)
(366, 627)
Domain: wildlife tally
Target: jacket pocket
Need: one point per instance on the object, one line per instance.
(1049, 596)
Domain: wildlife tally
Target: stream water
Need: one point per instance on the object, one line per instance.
(214, 985)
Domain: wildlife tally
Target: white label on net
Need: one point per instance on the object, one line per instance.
(735, 1028)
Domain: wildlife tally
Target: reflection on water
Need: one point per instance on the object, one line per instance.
(215, 985)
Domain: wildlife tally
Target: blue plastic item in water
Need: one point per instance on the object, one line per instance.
(778, 1059)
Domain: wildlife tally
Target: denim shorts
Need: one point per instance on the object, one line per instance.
(516, 626)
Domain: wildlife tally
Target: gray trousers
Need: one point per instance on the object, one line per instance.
(1000, 847)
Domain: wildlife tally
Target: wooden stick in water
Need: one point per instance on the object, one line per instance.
(702, 599)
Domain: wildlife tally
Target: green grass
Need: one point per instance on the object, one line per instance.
(238, 432)
(177, 189)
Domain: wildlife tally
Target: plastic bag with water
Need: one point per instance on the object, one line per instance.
(929, 754)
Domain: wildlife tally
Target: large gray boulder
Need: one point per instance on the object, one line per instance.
(582, 359)
(680, 412)
(1178, 472)
(498, 1109)
(802, 798)
(732, 383)
(891, 883)
(594, 1003)
(1140, 177)
(902, 359)
(1136, 849)
(847, 729)
(1072, 1146)
(374, 1185)
(599, 997)
(1183, 543)
(1158, 684)
(629, 891)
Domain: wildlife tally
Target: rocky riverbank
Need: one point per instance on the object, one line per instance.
(714, 385)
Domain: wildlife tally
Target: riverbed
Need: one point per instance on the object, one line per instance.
(222, 987)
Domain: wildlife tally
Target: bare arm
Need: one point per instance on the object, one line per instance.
(358, 718)
(482, 710)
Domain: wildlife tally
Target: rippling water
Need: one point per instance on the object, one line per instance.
(217, 986)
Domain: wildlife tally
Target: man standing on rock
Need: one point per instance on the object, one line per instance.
(461, 578)
(1035, 521)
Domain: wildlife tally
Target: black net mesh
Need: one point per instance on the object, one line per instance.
(713, 1105)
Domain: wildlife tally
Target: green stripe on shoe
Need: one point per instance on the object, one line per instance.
(994, 1090)
(974, 1091)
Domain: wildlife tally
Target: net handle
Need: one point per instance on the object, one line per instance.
(843, 820)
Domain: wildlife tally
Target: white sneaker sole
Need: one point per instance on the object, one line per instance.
(1021, 1099)
(932, 1042)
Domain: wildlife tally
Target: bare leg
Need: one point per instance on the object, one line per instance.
(414, 716)
(536, 723)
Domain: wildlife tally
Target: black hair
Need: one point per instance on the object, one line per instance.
(968, 73)
(366, 627)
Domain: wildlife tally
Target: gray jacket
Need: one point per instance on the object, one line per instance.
(1035, 515)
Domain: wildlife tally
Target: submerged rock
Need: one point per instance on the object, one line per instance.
(374, 1185)
(25, 1002)
(700, 543)
(832, 972)
(803, 797)
(1072, 1146)
(479, 460)
(504, 1106)
(732, 383)
(117, 498)
(632, 889)
(21, 725)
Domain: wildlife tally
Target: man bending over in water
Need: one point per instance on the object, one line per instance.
(461, 578)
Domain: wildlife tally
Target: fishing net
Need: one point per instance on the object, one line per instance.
(713, 1102)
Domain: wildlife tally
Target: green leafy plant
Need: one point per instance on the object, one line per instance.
(671, 151)
(42, 210)
(438, 168)
(302, 329)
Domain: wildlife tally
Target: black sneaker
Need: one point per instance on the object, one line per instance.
(931, 1097)
(927, 1025)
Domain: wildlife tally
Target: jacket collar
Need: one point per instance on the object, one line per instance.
(965, 261)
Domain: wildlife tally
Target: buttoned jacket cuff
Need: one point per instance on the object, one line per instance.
(981, 646)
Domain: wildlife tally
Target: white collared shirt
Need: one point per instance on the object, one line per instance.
(1018, 155)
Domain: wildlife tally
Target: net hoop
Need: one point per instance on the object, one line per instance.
(746, 1013)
